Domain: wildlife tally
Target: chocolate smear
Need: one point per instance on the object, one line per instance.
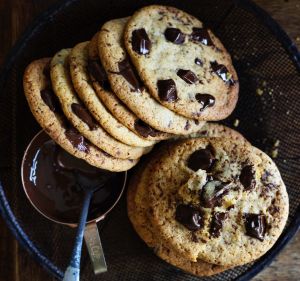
(144, 129)
(98, 73)
(50, 99)
(77, 140)
(84, 115)
(127, 71)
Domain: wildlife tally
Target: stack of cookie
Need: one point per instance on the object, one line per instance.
(139, 80)
(209, 203)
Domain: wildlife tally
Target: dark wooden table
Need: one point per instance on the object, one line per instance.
(15, 263)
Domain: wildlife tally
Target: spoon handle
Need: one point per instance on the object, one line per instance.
(72, 272)
(94, 246)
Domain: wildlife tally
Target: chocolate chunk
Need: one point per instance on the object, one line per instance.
(141, 43)
(167, 90)
(189, 216)
(198, 62)
(247, 177)
(77, 140)
(213, 192)
(201, 159)
(50, 99)
(84, 115)
(217, 223)
(201, 35)
(98, 73)
(222, 71)
(174, 35)
(205, 100)
(127, 71)
(255, 225)
(187, 75)
(144, 129)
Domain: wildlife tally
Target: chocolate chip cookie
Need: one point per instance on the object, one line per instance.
(184, 65)
(80, 117)
(127, 86)
(47, 111)
(217, 200)
(138, 212)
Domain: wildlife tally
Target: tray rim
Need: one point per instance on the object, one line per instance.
(5, 209)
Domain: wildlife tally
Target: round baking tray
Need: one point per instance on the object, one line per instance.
(266, 60)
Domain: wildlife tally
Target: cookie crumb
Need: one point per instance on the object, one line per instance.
(259, 91)
(274, 153)
(276, 143)
(288, 112)
(236, 122)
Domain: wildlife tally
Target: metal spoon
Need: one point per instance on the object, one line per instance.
(72, 272)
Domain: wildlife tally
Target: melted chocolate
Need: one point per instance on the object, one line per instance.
(217, 223)
(201, 159)
(247, 177)
(213, 192)
(84, 115)
(144, 129)
(187, 75)
(255, 226)
(189, 216)
(222, 71)
(98, 73)
(167, 90)
(53, 179)
(141, 43)
(205, 100)
(174, 35)
(201, 35)
(50, 99)
(126, 70)
(77, 140)
(198, 62)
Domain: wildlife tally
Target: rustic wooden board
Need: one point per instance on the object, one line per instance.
(15, 263)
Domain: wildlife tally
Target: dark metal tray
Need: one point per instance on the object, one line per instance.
(265, 58)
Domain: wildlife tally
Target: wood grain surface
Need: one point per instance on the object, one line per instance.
(15, 263)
